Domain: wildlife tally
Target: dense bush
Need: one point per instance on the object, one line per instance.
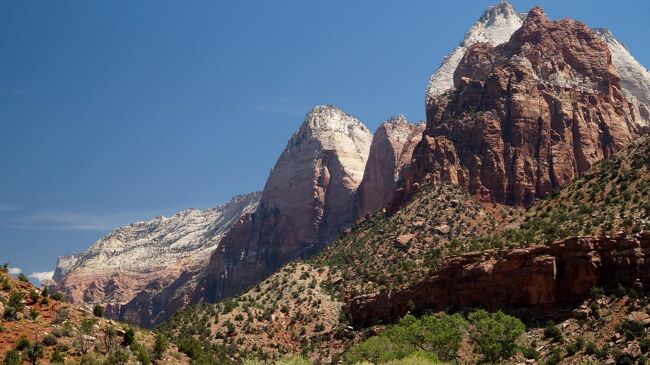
(495, 335)
(98, 310)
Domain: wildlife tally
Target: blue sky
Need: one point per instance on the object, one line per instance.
(118, 111)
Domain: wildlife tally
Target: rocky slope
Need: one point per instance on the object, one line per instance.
(528, 116)
(390, 153)
(147, 256)
(55, 330)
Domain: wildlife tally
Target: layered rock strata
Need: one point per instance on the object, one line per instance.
(539, 278)
(526, 117)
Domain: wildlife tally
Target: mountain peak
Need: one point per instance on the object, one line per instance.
(502, 9)
(332, 129)
(397, 119)
(495, 26)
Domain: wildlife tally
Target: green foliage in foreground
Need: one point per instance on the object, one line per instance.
(438, 337)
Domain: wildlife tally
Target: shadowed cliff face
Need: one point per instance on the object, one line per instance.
(390, 154)
(535, 278)
(525, 117)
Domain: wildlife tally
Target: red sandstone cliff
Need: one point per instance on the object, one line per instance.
(390, 153)
(525, 117)
(532, 278)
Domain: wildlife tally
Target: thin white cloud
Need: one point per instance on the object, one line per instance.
(79, 221)
(6, 208)
(14, 270)
(40, 276)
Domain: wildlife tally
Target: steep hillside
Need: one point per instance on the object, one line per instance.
(290, 312)
(38, 328)
(613, 197)
(390, 251)
(145, 257)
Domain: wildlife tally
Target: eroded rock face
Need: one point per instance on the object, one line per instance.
(390, 153)
(147, 256)
(307, 201)
(533, 278)
(635, 78)
(526, 117)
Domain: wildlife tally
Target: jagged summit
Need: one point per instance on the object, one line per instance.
(499, 22)
(495, 26)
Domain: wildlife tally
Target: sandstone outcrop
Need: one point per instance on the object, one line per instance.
(635, 78)
(525, 117)
(390, 153)
(536, 278)
(147, 256)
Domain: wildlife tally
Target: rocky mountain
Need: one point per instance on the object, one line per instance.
(523, 116)
(390, 153)
(499, 22)
(147, 256)
(495, 26)
(528, 116)
(307, 202)
(445, 247)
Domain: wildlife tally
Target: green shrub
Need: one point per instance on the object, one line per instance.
(98, 310)
(129, 337)
(23, 343)
(22, 277)
(436, 336)
(495, 335)
(50, 340)
(57, 358)
(379, 349)
(631, 329)
(33, 296)
(552, 332)
(143, 356)
(58, 296)
(12, 357)
(160, 346)
(530, 352)
(34, 352)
